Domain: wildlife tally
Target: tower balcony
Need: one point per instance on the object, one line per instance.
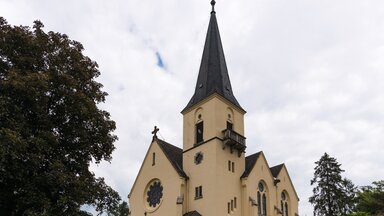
(234, 141)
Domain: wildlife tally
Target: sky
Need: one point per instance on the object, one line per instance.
(309, 73)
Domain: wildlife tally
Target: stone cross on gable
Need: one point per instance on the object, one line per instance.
(154, 132)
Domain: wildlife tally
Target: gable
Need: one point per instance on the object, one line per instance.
(284, 175)
(250, 162)
(253, 160)
(172, 155)
(276, 170)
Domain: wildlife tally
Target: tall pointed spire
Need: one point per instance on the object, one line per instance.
(213, 74)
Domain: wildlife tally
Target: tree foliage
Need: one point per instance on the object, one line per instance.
(121, 210)
(370, 199)
(332, 195)
(50, 126)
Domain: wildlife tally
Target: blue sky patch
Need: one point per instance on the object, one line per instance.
(160, 61)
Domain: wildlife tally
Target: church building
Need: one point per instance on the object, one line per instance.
(211, 175)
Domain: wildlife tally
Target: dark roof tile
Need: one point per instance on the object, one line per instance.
(192, 213)
(174, 155)
(276, 170)
(250, 163)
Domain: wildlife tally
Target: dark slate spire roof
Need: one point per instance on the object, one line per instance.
(213, 75)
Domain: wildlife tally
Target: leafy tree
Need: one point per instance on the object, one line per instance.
(121, 210)
(50, 126)
(332, 195)
(359, 214)
(371, 199)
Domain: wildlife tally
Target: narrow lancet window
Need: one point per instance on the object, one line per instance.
(258, 203)
(262, 199)
(282, 208)
(229, 125)
(264, 205)
(286, 209)
(284, 203)
(199, 132)
(229, 208)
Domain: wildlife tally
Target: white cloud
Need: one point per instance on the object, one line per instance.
(309, 73)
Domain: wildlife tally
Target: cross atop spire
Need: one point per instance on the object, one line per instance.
(213, 74)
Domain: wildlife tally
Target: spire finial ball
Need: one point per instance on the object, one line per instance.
(213, 2)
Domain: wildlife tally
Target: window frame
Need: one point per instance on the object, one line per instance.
(198, 192)
(199, 136)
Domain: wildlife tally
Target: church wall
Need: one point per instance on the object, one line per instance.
(202, 174)
(227, 181)
(173, 186)
(213, 111)
(285, 185)
(260, 172)
(220, 184)
(222, 111)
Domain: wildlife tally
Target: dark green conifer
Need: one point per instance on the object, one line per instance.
(332, 195)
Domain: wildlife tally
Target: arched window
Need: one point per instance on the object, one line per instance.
(199, 128)
(284, 204)
(229, 125)
(286, 208)
(282, 207)
(264, 205)
(258, 203)
(262, 199)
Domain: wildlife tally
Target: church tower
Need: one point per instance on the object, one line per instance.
(213, 127)
(210, 175)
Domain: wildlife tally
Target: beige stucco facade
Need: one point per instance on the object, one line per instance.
(220, 172)
(162, 170)
(210, 175)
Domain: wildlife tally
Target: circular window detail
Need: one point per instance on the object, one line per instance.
(199, 157)
(283, 196)
(154, 194)
(261, 187)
